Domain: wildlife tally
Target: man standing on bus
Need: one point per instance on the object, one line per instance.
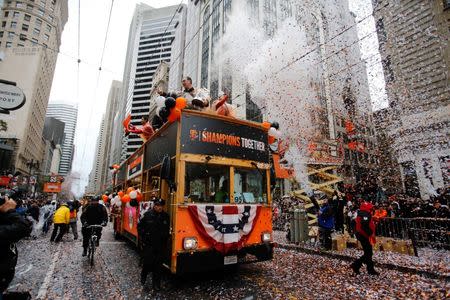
(154, 233)
(93, 214)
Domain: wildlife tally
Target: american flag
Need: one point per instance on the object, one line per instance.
(226, 227)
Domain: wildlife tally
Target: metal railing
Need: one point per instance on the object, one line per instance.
(424, 232)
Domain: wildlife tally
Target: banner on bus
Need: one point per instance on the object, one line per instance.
(210, 136)
(135, 167)
(52, 187)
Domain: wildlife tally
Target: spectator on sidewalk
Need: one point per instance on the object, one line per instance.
(74, 206)
(326, 225)
(13, 227)
(365, 233)
(61, 221)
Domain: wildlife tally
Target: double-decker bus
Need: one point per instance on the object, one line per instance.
(214, 174)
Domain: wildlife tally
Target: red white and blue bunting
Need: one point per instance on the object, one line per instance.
(226, 227)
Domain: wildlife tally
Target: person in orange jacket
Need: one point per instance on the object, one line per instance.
(365, 233)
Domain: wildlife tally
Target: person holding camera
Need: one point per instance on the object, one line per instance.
(13, 227)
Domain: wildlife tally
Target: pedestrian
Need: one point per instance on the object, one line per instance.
(61, 220)
(154, 232)
(326, 225)
(73, 206)
(93, 214)
(338, 207)
(13, 227)
(47, 216)
(365, 233)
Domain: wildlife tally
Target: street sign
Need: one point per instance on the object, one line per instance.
(11, 96)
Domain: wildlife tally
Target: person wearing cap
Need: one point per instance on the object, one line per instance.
(93, 214)
(365, 233)
(153, 231)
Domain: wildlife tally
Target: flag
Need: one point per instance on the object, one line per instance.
(226, 227)
(126, 122)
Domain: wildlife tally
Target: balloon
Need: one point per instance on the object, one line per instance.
(180, 103)
(170, 102)
(266, 125)
(160, 101)
(105, 198)
(133, 194)
(121, 194)
(126, 199)
(164, 113)
(275, 125)
(130, 189)
(139, 197)
(175, 114)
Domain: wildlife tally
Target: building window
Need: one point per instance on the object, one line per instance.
(286, 9)
(387, 67)
(19, 4)
(46, 37)
(8, 44)
(270, 17)
(50, 18)
(23, 37)
(215, 26)
(34, 41)
(41, 12)
(42, 3)
(29, 7)
(252, 111)
(49, 28)
(38, 22)
(16, 14)
(11, 35)
(4, 24)
(226, 12)
(20, 45)
(36, 31)
(6, 14)
(13, 25)
(205, 48)
(45, 45)
(27, 17)
(25, 27)
(1, 34)
(446, 4)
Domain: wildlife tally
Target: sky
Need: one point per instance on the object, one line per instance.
(91, 99)
(94, 86)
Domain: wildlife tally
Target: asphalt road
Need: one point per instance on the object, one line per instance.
(58, 271)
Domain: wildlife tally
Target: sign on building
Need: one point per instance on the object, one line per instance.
(11, 97)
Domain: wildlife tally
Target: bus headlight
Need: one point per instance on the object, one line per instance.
(190, 243)
(266, 237)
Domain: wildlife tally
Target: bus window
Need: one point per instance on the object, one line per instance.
(207, 183)
(250, 186)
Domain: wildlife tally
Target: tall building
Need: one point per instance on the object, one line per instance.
(414, 45)
(53, 138)
(66, 113)
(112, 106)
(150, 41)
(94, 183)
(335, 68)
(30, 36)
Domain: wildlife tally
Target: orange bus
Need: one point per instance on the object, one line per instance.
(214, 174)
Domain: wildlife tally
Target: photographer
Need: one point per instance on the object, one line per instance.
(13, 227)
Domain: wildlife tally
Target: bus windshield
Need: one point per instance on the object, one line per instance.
(250, 186)
(207, 183)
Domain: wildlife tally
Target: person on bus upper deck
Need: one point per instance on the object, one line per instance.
(93, 214)
(190, 93)
(145, 131)
(153, 231)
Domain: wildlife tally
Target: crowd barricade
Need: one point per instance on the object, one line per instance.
(423, 232)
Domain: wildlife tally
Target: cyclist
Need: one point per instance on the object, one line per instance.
(93, 214)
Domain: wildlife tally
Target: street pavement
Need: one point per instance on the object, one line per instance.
(58, 271)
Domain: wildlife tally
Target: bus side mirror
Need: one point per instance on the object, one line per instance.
(165, 169)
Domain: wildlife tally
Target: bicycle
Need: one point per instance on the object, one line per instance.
(92, 243)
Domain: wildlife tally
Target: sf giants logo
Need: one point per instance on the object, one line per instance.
(194, 134)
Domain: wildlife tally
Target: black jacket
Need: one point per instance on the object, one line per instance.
(13, 227)
(94, 214)
(154, 229)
